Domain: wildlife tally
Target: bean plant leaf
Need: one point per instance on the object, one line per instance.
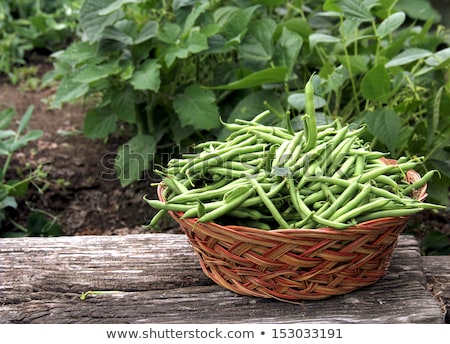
(147, 77)
(123, 102)
(356, 9)
(356, 63)
(149, 31)
(134, 157)
(99, 123)
(384, 124)
(376, 83)
(317, 38)
(196, 106)
(233, 20)
(408, 56)
(298, 101)
(257, 43)
(440, 59)
(265, 76)
(390, 24)
(92, 23)
(6, 117)
(418, 9)
(169, 33)
(22, 141)
(115, 6)
(25, 119)
(69, 90)
(287, 50)
(93, 73)
(196, 12)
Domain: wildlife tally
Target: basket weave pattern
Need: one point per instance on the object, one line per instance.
(295, 264)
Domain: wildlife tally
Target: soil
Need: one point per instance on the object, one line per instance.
(80, 189)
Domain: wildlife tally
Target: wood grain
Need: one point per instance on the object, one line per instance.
(159, 280)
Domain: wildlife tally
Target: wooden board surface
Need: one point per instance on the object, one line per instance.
(160, 281)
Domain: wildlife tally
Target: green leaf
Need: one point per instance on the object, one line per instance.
(134, 157)
(356, 63)
(92, 23)
(147, 77)
(287, 50)
(408, 56)
(25, 119)
(265, 76)
(115, 6)
(76, 53)
(384, 124)
(32, 135)
(123, 102)
(331, 6)
(196, 12)
(93, 73)
(418, 9)
(68, 91)
(233, 20)
(257, 43)
(149, 31)
(114, 34)
(390, 24)
(169, 33)
(6, 117)
(4, 134)
(298, 101)
(173, 53)
(356, 9)
(440, 59)
(196, 106)
(9, 201)
(99, 123)
(376, 83)
(317, 38)
(196, 41)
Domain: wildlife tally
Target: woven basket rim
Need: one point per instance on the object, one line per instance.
(411, 176)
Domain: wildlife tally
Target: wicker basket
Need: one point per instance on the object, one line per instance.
(295, 264)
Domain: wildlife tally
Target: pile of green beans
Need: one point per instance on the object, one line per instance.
(268, 177)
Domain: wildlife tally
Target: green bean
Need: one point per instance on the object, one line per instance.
(310, 117)
(268, 203)
(260, 116)
(297, 201)
(346, 168)
(353, 203)
(419, 183)
(332, 224)
(366, 208)
(227, 205)
(359, 165)
(342, 199)
(156, 218)
(388, 213)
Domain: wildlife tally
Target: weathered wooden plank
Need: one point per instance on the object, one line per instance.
(437, 273)
(42, 279)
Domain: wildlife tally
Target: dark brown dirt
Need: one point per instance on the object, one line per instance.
(80, 188)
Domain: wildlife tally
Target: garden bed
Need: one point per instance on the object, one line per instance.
(81, 190)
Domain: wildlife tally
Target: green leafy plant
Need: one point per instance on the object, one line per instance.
(380, 67)
(171, 68)
(11, 141)
(145, 63)
(27, 25)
